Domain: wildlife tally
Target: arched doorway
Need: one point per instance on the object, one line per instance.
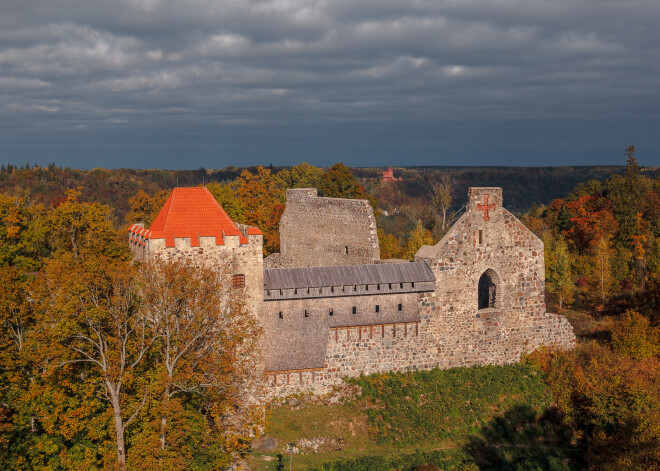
(487, 296)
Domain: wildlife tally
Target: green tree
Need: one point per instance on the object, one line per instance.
(339, 182)
(418, 237)
(302, 175)
(558, 268)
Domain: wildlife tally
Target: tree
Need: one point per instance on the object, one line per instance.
(418, 237)
(206, 346)
(559, 275)
(302, 175)
(225, 195)
(390, 247)
(602, 261)
(339, 182)
(78, 228)
(634, 336)
(91, 318)
(441, 196)
(145, 208)
(263, 199)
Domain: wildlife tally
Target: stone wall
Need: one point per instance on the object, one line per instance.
(452, 330)
(237, 258)
(397, 343)
(326, 231)
(487, 238)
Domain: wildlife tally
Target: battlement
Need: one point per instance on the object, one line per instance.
(191, 218)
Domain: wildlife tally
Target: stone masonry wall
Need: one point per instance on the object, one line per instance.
(497, 242)
(245, 259)
(358, 349)
(452, 331)
(326, 231)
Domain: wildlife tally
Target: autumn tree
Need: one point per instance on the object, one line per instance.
(78, 227)
(145, 207)
(206, 348)
(263, 200)
(633, 335)
(91, 318)
(390, 246)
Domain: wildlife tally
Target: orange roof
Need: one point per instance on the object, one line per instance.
(192, 213)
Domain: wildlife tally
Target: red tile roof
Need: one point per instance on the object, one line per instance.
(192, 213)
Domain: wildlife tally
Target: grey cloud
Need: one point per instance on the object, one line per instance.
(278, 80)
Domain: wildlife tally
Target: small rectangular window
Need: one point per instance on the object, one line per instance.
(377, 308)
(400, 307)
(281, 293)
(331, 313)
(267, 292)
(412, 284)
(366, 287)
(306, 313)
(346, 250)
(332, 289)
(354, 288)
(308, 290)
(401, 285)
(238, 281)
(481, 237)
(281, 315)
(295, 290)
(354, 310)
(390, 285)
(378, 287)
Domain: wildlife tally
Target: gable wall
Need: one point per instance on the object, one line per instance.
(519, 323)
(315, 231)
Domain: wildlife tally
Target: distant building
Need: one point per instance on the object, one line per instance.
(388, 175)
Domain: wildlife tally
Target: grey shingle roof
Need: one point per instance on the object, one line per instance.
(287, 278)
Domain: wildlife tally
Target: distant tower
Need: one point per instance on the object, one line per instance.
(388, 175)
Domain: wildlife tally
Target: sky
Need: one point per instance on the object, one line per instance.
(215, 83)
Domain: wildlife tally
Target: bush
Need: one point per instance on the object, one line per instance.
(634, 336)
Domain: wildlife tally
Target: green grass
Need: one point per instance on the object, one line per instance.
(484, 417)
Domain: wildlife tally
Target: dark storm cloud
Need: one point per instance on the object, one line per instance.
(201, 82)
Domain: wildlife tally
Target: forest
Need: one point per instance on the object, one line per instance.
(109, 364)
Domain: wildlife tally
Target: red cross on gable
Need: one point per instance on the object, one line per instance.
(485, 208)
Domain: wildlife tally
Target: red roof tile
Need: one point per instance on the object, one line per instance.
(192, 213)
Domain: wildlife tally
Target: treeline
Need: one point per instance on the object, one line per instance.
(602, 243)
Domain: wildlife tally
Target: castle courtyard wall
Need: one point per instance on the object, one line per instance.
(451, 331)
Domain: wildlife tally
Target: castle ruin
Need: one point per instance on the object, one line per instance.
(476, 297)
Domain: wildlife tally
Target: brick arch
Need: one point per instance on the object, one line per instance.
(488, 290)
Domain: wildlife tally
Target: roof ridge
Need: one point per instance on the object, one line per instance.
(218, 205)
(169, 210)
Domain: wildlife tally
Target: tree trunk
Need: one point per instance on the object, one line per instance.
(119, 429)
(163, 420)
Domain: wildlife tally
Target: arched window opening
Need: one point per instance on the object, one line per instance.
(487, 296)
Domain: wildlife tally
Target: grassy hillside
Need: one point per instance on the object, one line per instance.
(490, 417)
